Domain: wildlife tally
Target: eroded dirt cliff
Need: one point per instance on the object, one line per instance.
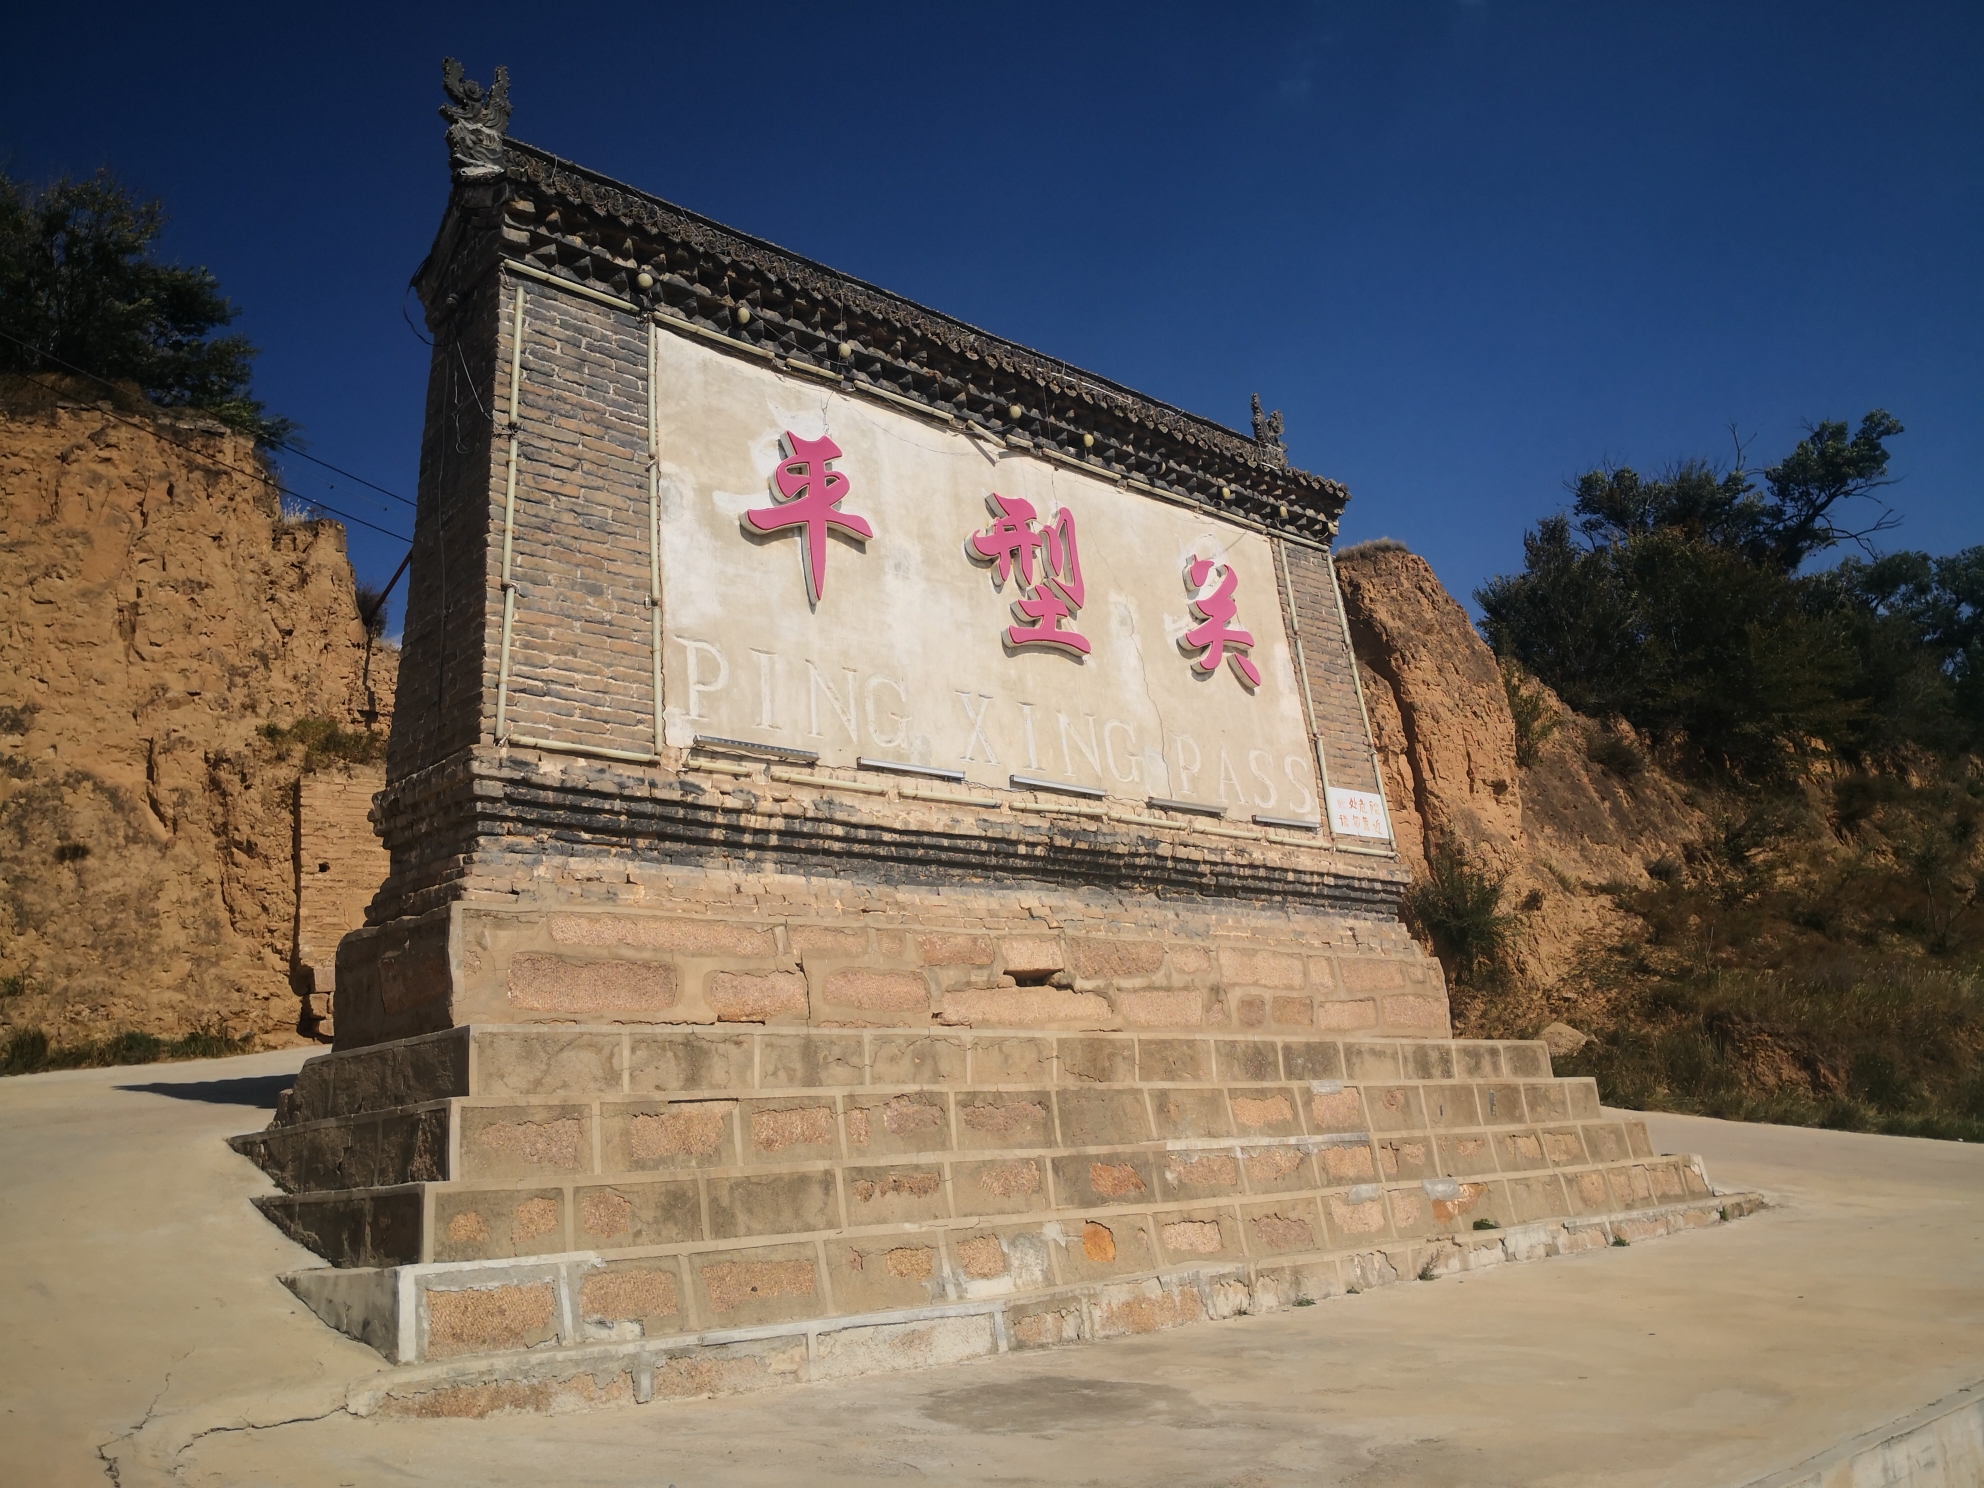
(156, 612)
(1559, 827)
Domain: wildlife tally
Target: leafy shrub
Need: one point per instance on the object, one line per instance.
(371, 607)
(1937, 851)
(214, 1042)
(1858, 796)
(1534, 718)
(27, 1051)
(133, 1048)
(1616, 753)
(1459, 908)
(71, 852)
(17, 719)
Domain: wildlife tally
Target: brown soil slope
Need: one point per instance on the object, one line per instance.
(155, 611)
(1447, 745)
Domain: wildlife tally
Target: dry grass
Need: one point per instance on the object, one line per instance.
(1818, 960)
(1900, 1052)
(28, 1052)
(323, 742)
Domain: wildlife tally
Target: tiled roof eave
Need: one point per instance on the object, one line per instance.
(1166, 446)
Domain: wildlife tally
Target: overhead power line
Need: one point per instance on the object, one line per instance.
(153, 429)
(284, 445)
(258, 475)
(302, 455)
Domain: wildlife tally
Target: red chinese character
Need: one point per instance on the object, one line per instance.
(1057, 591)
(812, 495)
(1011, 539)
(1215, 610)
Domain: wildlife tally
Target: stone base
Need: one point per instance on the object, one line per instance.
(512, 1189)
(796, 953)
(556, 1356)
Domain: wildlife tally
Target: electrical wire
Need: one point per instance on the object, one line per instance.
(282, 444)
(423, 340)
(289, 448)
(259, 475)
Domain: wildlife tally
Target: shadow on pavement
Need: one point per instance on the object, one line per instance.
(1020, 1405)
(247, 1090)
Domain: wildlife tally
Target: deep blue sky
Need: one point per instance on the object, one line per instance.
(1470, 248)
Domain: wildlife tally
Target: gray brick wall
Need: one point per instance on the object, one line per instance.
(439, 701)
(581, 658)
(581, 668)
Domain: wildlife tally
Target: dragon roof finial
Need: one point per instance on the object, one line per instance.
(477, 121)
(1267, 436)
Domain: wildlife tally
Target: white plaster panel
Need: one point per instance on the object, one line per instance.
(905, 654)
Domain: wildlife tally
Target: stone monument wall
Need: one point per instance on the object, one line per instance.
(888, 860)
(618, 694)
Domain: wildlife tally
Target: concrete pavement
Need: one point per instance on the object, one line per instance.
(147, 1332)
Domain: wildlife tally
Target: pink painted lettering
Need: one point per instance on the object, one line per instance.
(1215, 638)
(1010, 539)
(1049, 596)
(812, 495)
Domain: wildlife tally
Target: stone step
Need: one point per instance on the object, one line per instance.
(582, 1061)
(717, 1179)
(528, 1333)
(1460, 1127)
(1342, 1181)
(372, 1149)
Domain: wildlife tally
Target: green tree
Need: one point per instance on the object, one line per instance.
(1931, 611)
(1915, 631)
(1676, 603)
(1810, 493)
(1681, 638)
(79, 285)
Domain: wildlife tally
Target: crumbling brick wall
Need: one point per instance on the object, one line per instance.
(339, 867)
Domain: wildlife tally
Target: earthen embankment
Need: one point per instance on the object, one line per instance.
(157, 613)
(1560, 827)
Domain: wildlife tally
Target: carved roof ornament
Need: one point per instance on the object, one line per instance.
(477, 121)
(1267, 437)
